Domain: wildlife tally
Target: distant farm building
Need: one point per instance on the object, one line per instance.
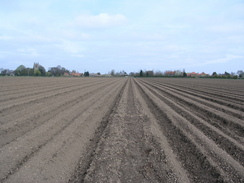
(76, 74)
(194, 74)
(66, 74)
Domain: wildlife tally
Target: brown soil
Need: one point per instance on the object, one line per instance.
(121, 130)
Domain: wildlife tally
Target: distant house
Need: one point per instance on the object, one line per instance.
(94, 75)
(76, 74)
(169, 73)
(203, 75)
(194, 74)
(66, 74)
(178, 73)
(150, 73)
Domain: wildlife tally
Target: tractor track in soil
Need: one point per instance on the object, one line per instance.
(121, 130)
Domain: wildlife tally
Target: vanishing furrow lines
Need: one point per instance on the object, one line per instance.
(31, 83)
(36, 98)
(85, 163)
(206, 100)
(47, 103)
(197, 152)
(220, 86)
(20, 126)
(236, 105)
(226, 142)
(56, 137)
(228, 124)
(128, 151)
(170, 160)
(216, 97)
(34, 91)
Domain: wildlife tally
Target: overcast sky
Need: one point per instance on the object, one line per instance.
(100, 35)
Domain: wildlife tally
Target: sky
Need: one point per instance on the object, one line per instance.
(101, 35)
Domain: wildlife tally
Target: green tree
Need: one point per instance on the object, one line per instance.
(184, 73)
(21, 71)
(214, 74)
(141, 73)
(158, 73)
(42, 70)
(87, 74)
(37, 73)
(240, 73)
(227, 74)
(5, 72)
(48, 74)
(112, 72)
(121, 73)
(30, 71)
(57, 71)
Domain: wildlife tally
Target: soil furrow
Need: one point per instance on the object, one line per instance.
(46, 103)
(84, 163)
(170, 159)
(22, 127)
(46, 87)
(195, 159)
(205, 91)
(221, 105)
(206, 96)
(127, 151)
(228, 86)
(33, 99)
(62, 135)
(217, 118)
(230, 145)
(61, 129)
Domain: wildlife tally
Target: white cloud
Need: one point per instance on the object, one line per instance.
(100, 21)
(28, 51)
(172, 48)
(71, 34)
(169, 34)
(5, 37)
(236, 51)
(140, 35)
(227, 58)
(226, 28)
(78, 55)
(72, 48)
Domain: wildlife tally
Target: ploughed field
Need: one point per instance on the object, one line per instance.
(121, 130)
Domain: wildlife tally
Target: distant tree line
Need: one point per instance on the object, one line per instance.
(238, 74)
(6, 72)
(25, 71)
(151, 73)
(121, 73)
(57, 71)
(178, 73)
(39, 70)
